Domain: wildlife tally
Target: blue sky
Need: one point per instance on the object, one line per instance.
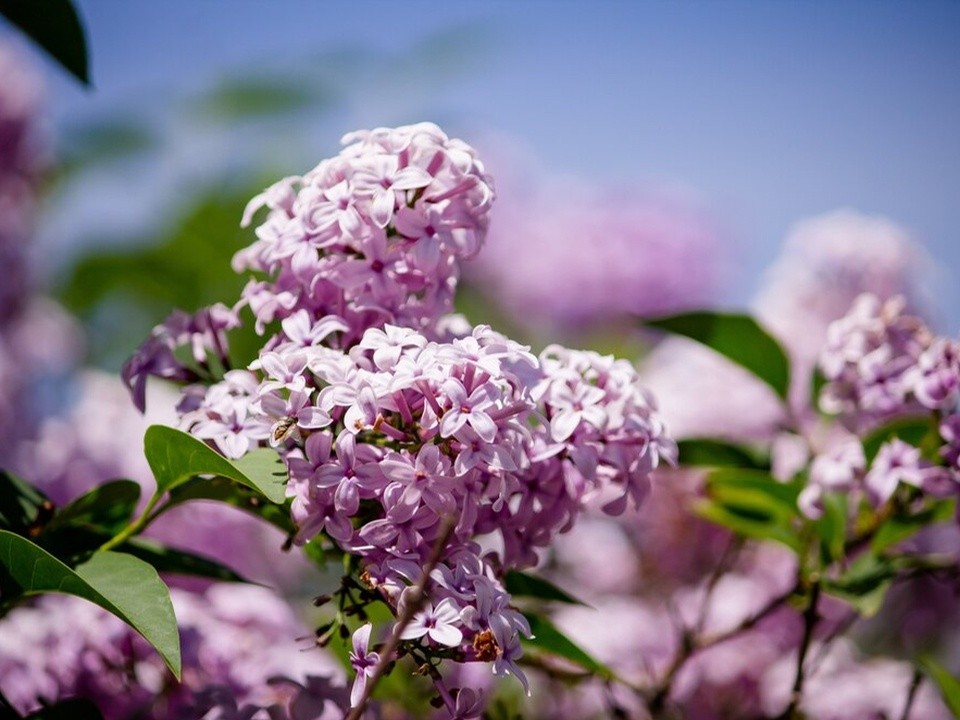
(773, 111)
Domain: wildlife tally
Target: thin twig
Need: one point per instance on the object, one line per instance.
(810, 618)
(415, 597)
(911, 693)
(692, 646)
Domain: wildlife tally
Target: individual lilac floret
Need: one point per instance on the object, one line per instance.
(363, 662)
(839, 470)
(439, 624)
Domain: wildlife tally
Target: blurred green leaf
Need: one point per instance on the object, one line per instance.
(166, 559)
(119, 583)
(948, 685)
(103, 142)
(738, 338)
(175, 456)
(23, 508)
(520, 584)
(249, 98)
(107, 507)
(547, 638)
(864, 583)
(708, 452)
(55, 26)
(754, 504)
(832, 527)
(920, 432)
(901, 527)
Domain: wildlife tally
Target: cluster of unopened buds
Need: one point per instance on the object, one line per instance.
(881, 364)
(418, 445)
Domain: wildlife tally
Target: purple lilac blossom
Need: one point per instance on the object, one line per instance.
(392, 428)
(826, 262)
(238, 641)
(562, 253)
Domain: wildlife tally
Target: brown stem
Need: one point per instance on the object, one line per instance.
(810, 617)
(691, 646)
(414, 601)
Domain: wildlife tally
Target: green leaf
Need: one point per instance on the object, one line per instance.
(920, 432)
(753, 504)
(832, 527)
(23, 509)
(716, 453)
(107, 507)
(73, 709)
(55, 26)
(120, 583)
(899, 528)
(948, 685)
(737, 337)
(250, 98)
(864, 584)
(547, 638)
(175, 457)
(238, 496)
(780, 496)
(180, 562)
(521, 584)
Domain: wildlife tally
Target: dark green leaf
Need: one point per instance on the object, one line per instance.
(920, 432)
(832, 527)
(73, 709)
(175, 457)
(107, 507)
(948, 685)
(738, 338)
(716, 453)
(120, 583)
(521, 584)
(238, 496)
(55, 26)
(864, 584)
(901, 527)
(817, 382)
(547, 638)
(180, 562)
(23, 508)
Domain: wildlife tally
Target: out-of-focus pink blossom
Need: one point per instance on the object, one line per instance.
(569, 253)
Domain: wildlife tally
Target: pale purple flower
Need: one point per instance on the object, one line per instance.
(363, 662)
(439, 623)
(896, 462)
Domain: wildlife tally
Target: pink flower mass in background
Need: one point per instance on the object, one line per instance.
(476, 521)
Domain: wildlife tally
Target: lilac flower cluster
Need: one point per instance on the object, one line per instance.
(881, 363)
(400, 429)
(371, 236)
(239, 649)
